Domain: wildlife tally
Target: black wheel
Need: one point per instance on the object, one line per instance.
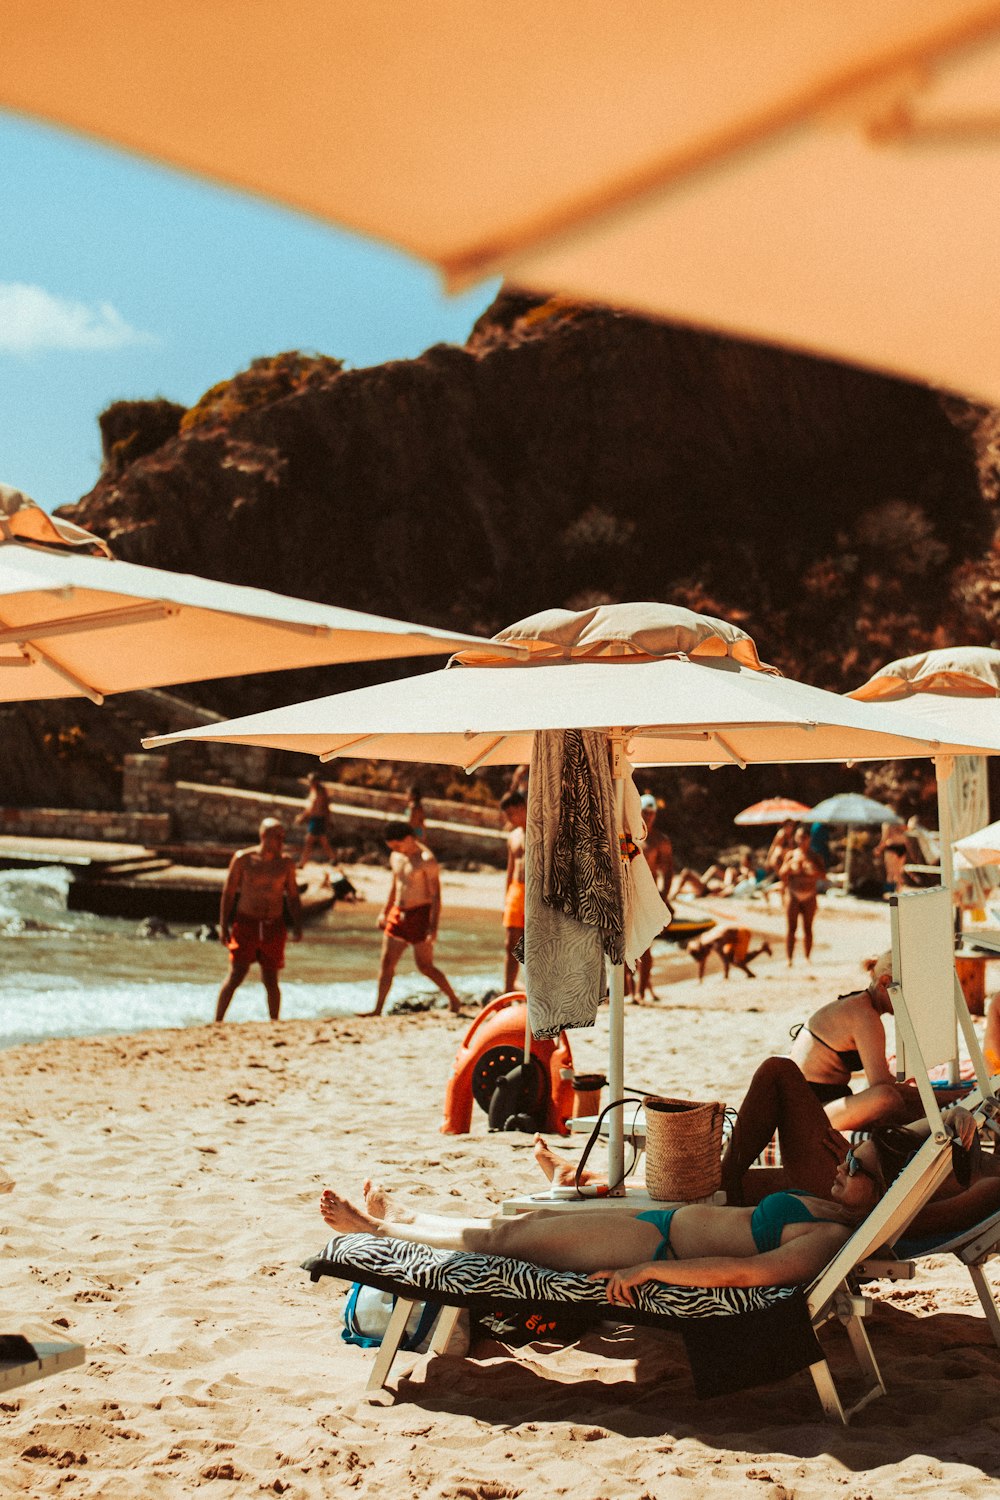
(491, 1067)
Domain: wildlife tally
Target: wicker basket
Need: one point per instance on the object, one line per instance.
(683, 1149)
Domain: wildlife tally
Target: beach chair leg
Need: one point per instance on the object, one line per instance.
(391, 1341)
(443, 1330)
(827, 1391)
(865, 1355)
(985, 1294)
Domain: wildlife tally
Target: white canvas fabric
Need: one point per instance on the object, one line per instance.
(958, 671)
(74, 624)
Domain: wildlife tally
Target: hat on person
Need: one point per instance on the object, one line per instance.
(647, 802)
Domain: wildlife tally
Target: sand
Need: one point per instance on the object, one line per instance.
(167, 1188)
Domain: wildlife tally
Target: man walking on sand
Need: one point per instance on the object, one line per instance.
(316, 816)
(411, 913)
(515, 810)
(259, 886)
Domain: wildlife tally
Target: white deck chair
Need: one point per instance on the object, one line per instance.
(927, 999)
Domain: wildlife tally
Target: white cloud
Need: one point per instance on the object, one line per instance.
(33, 319)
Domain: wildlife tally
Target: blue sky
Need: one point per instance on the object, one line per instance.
(119, 278)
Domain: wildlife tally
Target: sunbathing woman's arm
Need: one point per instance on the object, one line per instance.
(792, 1264)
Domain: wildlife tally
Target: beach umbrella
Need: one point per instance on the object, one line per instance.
(932, 688)
(75, 622)
(667, 686)
(853, 810)
(771, 810)
(777, 170)
(981, 849)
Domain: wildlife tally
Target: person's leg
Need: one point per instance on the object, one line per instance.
(272, 990)
(307, 849)
(779, 1099)
(643, 975)
(791, 922)
(585, 1241)
(512, 936)
(808, 910)
(391, 950)
(237, 973)
(423, 953)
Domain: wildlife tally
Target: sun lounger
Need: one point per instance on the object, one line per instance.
(735, 1337)
(974, 1247)
(33, 1352)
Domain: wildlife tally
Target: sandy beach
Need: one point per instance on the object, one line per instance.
(167, 1189)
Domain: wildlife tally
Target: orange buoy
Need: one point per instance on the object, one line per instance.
(494, 1044)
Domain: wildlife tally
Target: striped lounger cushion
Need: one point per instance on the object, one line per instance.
(735, 1336)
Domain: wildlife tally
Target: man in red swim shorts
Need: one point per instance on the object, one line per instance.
(259, 885)
(411, 912)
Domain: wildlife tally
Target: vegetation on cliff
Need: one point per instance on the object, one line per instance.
(566, 455)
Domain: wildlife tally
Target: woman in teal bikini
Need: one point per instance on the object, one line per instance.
(784, 1240)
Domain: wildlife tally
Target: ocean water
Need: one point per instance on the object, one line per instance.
(68, 973)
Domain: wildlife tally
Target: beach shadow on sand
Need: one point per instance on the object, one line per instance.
(942, 1372)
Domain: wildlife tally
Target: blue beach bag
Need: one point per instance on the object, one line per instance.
(366, 1317)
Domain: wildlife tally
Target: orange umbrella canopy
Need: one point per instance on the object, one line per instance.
(822, 175)
(771, 810)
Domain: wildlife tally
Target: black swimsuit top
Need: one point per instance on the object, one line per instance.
(851, 1060)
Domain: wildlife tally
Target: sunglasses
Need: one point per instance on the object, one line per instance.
(852, 1167)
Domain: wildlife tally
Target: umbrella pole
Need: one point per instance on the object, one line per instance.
(616, 1006)
(944, 765)
(847, 860)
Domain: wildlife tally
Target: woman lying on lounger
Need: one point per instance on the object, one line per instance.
(786, 1239)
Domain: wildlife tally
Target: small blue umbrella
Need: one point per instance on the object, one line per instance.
(852, 809)
(849, 807)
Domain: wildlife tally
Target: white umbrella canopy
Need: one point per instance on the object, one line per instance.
(850, 808)
(775, 169)
(981, 848)
(76, 622)
(932, 689)
(670, 687)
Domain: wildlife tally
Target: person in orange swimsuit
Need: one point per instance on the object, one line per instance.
(515, 810)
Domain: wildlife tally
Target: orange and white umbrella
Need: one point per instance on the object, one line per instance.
(771, 810)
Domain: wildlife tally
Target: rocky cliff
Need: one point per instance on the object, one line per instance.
(567, 454)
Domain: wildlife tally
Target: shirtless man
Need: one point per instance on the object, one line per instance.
(658, 852)
(800, 873)
(260, 882)
(316, 816)
(515, 810)
(411, 913)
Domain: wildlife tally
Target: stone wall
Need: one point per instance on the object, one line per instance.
(200, 813)
(146, 828)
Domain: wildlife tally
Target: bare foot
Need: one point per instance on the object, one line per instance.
(562, 1173)
(344, 1217)
(378, 1206)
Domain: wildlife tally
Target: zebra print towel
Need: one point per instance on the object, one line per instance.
(735, 1336)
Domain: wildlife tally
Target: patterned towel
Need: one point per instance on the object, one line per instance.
(573, 895)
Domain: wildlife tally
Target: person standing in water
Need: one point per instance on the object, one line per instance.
(411, 913)
(260, 886)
